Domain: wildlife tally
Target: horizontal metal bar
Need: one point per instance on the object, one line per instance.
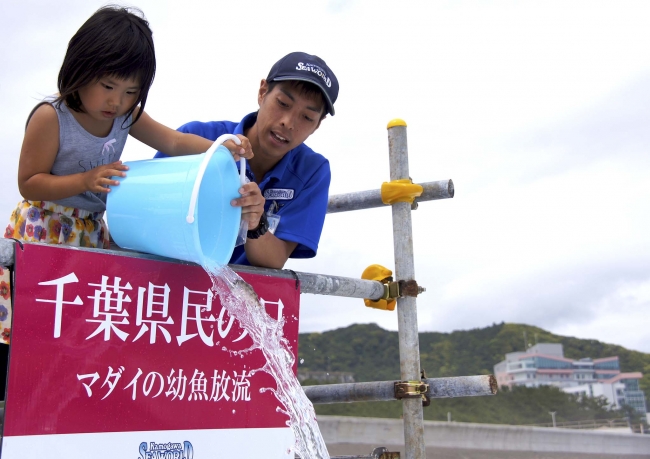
(378, 453)
(354, 392)
(318, 284)
(8, 247)
(323, 284)
(461, 386)
(442, 189)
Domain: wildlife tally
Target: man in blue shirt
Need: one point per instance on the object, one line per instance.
(289, 182)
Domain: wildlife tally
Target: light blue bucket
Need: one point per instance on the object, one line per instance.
(178, 207)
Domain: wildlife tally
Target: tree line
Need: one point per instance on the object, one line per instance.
(372, 354)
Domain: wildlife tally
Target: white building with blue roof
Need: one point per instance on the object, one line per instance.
(545, 364)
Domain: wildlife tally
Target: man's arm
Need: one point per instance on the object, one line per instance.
(269, 251)
(266, 251)
(300, 227)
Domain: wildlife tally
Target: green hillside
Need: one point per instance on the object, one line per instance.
(371, 354)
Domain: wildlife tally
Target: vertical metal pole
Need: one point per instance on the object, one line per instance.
(409, 346)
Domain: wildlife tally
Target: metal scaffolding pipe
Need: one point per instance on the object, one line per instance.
(407, 319)
(317, 284)
(462, 386)
(442, 189)
(377, 453)
(323, 284)
(378, 391)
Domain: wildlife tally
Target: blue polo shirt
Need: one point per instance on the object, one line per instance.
(297, 188)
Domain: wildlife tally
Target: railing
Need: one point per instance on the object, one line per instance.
(413, 389)
(588, 424)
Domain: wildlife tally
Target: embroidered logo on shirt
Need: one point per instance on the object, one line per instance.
(278, 193)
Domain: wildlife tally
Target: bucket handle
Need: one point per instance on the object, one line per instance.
(204, 165)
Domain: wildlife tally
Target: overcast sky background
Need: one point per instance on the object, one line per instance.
(538, 111)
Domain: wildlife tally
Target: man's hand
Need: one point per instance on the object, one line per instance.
(240, 151)
(251, 202)
(267, 251)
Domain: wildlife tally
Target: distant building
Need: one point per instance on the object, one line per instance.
(545, 365)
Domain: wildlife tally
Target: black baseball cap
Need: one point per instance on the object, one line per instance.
(312, 69)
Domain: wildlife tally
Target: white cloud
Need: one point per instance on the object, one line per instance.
(537, 111)
(618, 317)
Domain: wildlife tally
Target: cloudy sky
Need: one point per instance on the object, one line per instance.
(538, 111)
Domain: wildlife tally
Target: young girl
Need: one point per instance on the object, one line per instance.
(73, 143)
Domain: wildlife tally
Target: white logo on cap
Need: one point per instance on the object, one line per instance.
(315, 69)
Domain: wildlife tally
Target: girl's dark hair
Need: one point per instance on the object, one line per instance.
(115, 41)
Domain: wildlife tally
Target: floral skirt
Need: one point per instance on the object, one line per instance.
(44, 221)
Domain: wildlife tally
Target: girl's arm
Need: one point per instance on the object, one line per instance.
(37, 155)
(175, 143)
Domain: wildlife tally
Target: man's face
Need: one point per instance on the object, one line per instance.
(285, 119)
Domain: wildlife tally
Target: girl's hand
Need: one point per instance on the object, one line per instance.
(252, 204)
(98, 179)
(240, 151)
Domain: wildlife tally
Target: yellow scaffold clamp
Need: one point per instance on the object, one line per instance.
(383, 275)
(402, 190)
(392, 289)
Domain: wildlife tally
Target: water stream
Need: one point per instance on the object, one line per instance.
(241, 301)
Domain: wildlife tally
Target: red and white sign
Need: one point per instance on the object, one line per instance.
(115, 356)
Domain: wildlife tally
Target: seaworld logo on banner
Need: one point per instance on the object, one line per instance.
(166, 450)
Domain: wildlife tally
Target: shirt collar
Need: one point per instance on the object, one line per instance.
(245, 123)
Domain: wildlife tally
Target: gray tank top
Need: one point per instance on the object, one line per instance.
(80, 151)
